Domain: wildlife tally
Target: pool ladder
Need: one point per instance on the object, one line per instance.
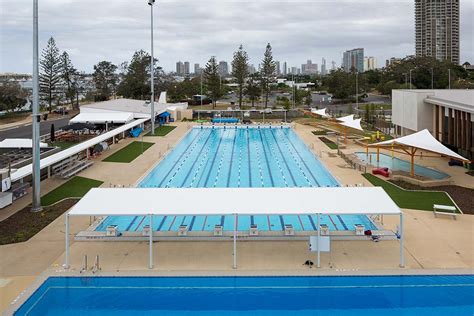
(95, 268)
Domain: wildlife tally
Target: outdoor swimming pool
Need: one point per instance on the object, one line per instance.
(342, 295)
(238, 157)
(395, 163)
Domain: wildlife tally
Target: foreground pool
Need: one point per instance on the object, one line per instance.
(355, 295)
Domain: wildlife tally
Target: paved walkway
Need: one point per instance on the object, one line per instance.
(431, 243)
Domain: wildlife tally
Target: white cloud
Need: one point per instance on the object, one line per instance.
(94, 30)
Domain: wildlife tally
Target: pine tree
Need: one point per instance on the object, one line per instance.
(268, 70)
(240, 70)
(252, 88)
(105, 80)
(212, 80)
(50, 76)
(69, 77)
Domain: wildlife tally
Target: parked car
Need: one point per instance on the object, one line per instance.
(61, 110)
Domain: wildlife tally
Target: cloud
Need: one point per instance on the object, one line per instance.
(94, 30)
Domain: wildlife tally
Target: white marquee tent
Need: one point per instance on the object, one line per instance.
(19, 143)
(355, 124)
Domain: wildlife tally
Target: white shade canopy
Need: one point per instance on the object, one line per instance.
(347, 118)
(68, 152)
(355, 124)
(422, 140)
(223, 201)
(321, 112)
(102, 117)
(19, 143)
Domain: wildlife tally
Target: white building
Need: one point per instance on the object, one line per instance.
(370, 63)
(447, 114)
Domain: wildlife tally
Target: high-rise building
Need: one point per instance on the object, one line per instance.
(323, 67)
(353, 60)
(277, 68)
(180, 68)
(223, 68)
(197, 69)
(285, 69)
(370, 63)
(333, 65)
(309, 68)
(392, 61)
(251, 69)
(186, 68)
(437, 29)
(294, 70)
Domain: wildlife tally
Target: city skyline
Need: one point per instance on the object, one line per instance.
(96, 32)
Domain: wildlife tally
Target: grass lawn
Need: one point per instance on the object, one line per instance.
(129, 153)
(76, 187)
(328, 142)
(63, 145)
(411, 199)
(162, 130)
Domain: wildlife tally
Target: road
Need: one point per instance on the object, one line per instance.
(25, 131)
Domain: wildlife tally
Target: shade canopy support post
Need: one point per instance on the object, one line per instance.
(66, 257)
(318, 226)
(234, 266)
(150, 263)
(401, 233)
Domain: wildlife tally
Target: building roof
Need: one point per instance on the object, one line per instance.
(139, 108)
(222, 201)
(19, 143)
(68, 152)
(458, 99)
(422, 140)
(102, 117)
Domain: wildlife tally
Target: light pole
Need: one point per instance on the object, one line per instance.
(406, 79)
(410, 78)
(152, 71)
(357, 90)
(449, 79)
(36, 206)
(432, 78)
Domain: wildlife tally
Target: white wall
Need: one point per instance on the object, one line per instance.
(410, 111)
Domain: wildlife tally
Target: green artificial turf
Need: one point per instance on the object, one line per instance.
(129, 153)
(417, 200)
(162, 130)
(74, 188)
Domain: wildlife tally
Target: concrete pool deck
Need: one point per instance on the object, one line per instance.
(430, 243)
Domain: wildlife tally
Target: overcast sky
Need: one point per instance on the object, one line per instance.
(193, 30)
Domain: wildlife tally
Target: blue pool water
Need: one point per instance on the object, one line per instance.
(355, 295)
(395, 163)
(225, 120)
(238, 157)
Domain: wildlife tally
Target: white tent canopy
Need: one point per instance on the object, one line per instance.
(102, 117)
(222, 201)
(321, 112)
(422, 140)
(19, 143)
(355, 124)
(347, 118)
